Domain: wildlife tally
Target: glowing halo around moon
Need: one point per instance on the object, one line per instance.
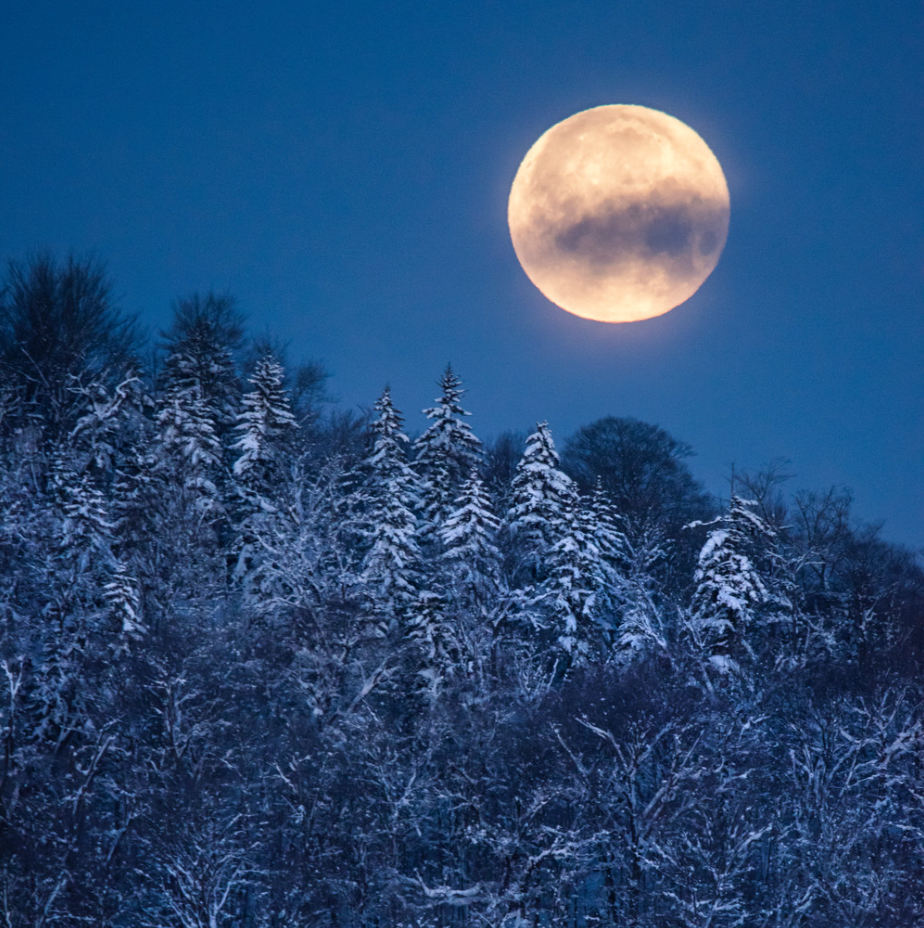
(619, 213)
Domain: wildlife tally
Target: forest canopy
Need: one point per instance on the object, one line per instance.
(268, 663)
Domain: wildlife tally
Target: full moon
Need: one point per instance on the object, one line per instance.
(619, 213)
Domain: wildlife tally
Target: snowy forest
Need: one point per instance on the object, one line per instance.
(266, 662)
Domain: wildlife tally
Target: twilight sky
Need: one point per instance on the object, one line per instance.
(342, 169)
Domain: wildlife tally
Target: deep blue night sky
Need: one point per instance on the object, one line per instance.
(343, 169)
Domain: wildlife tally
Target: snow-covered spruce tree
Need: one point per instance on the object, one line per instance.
(83, 547)
(194, 417)
(74, 635)
(85, 474)
(191, 452)
(729, 588)
(124, 603)
(189, 551)
(584, 589)
(625, 599)
(25, 526)
(468, 534)
(604, 526)
(203, 336)
(444, 456)
(264, 427)
(390, 494)
(135, 493)
(642, 626)
(113, 440)
(200, 397)
(104, 433)
(436, 650)
(541, 499)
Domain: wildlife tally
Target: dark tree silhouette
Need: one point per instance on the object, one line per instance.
(641, 467)
(59, 329)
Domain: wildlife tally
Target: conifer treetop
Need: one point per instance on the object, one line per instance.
(542, 492)
(266, 415)
(728, 585)
(448, 436)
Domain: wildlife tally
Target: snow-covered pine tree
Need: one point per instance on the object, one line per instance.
(83, 547)
(435, 651)
(641, 624)
(468, 535)
(612, 563)
(264, 426)
(200, 397)
(444, 456)
(729, 588)
(107, 423)
(24, 532)
(135, 493)
(112, 440)
(81, 559)
(191, 472)
(121, 594)
(625, 602)
(582, 583)
(204, 334)
(188, 433)
(541, 499)
(390, 493)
